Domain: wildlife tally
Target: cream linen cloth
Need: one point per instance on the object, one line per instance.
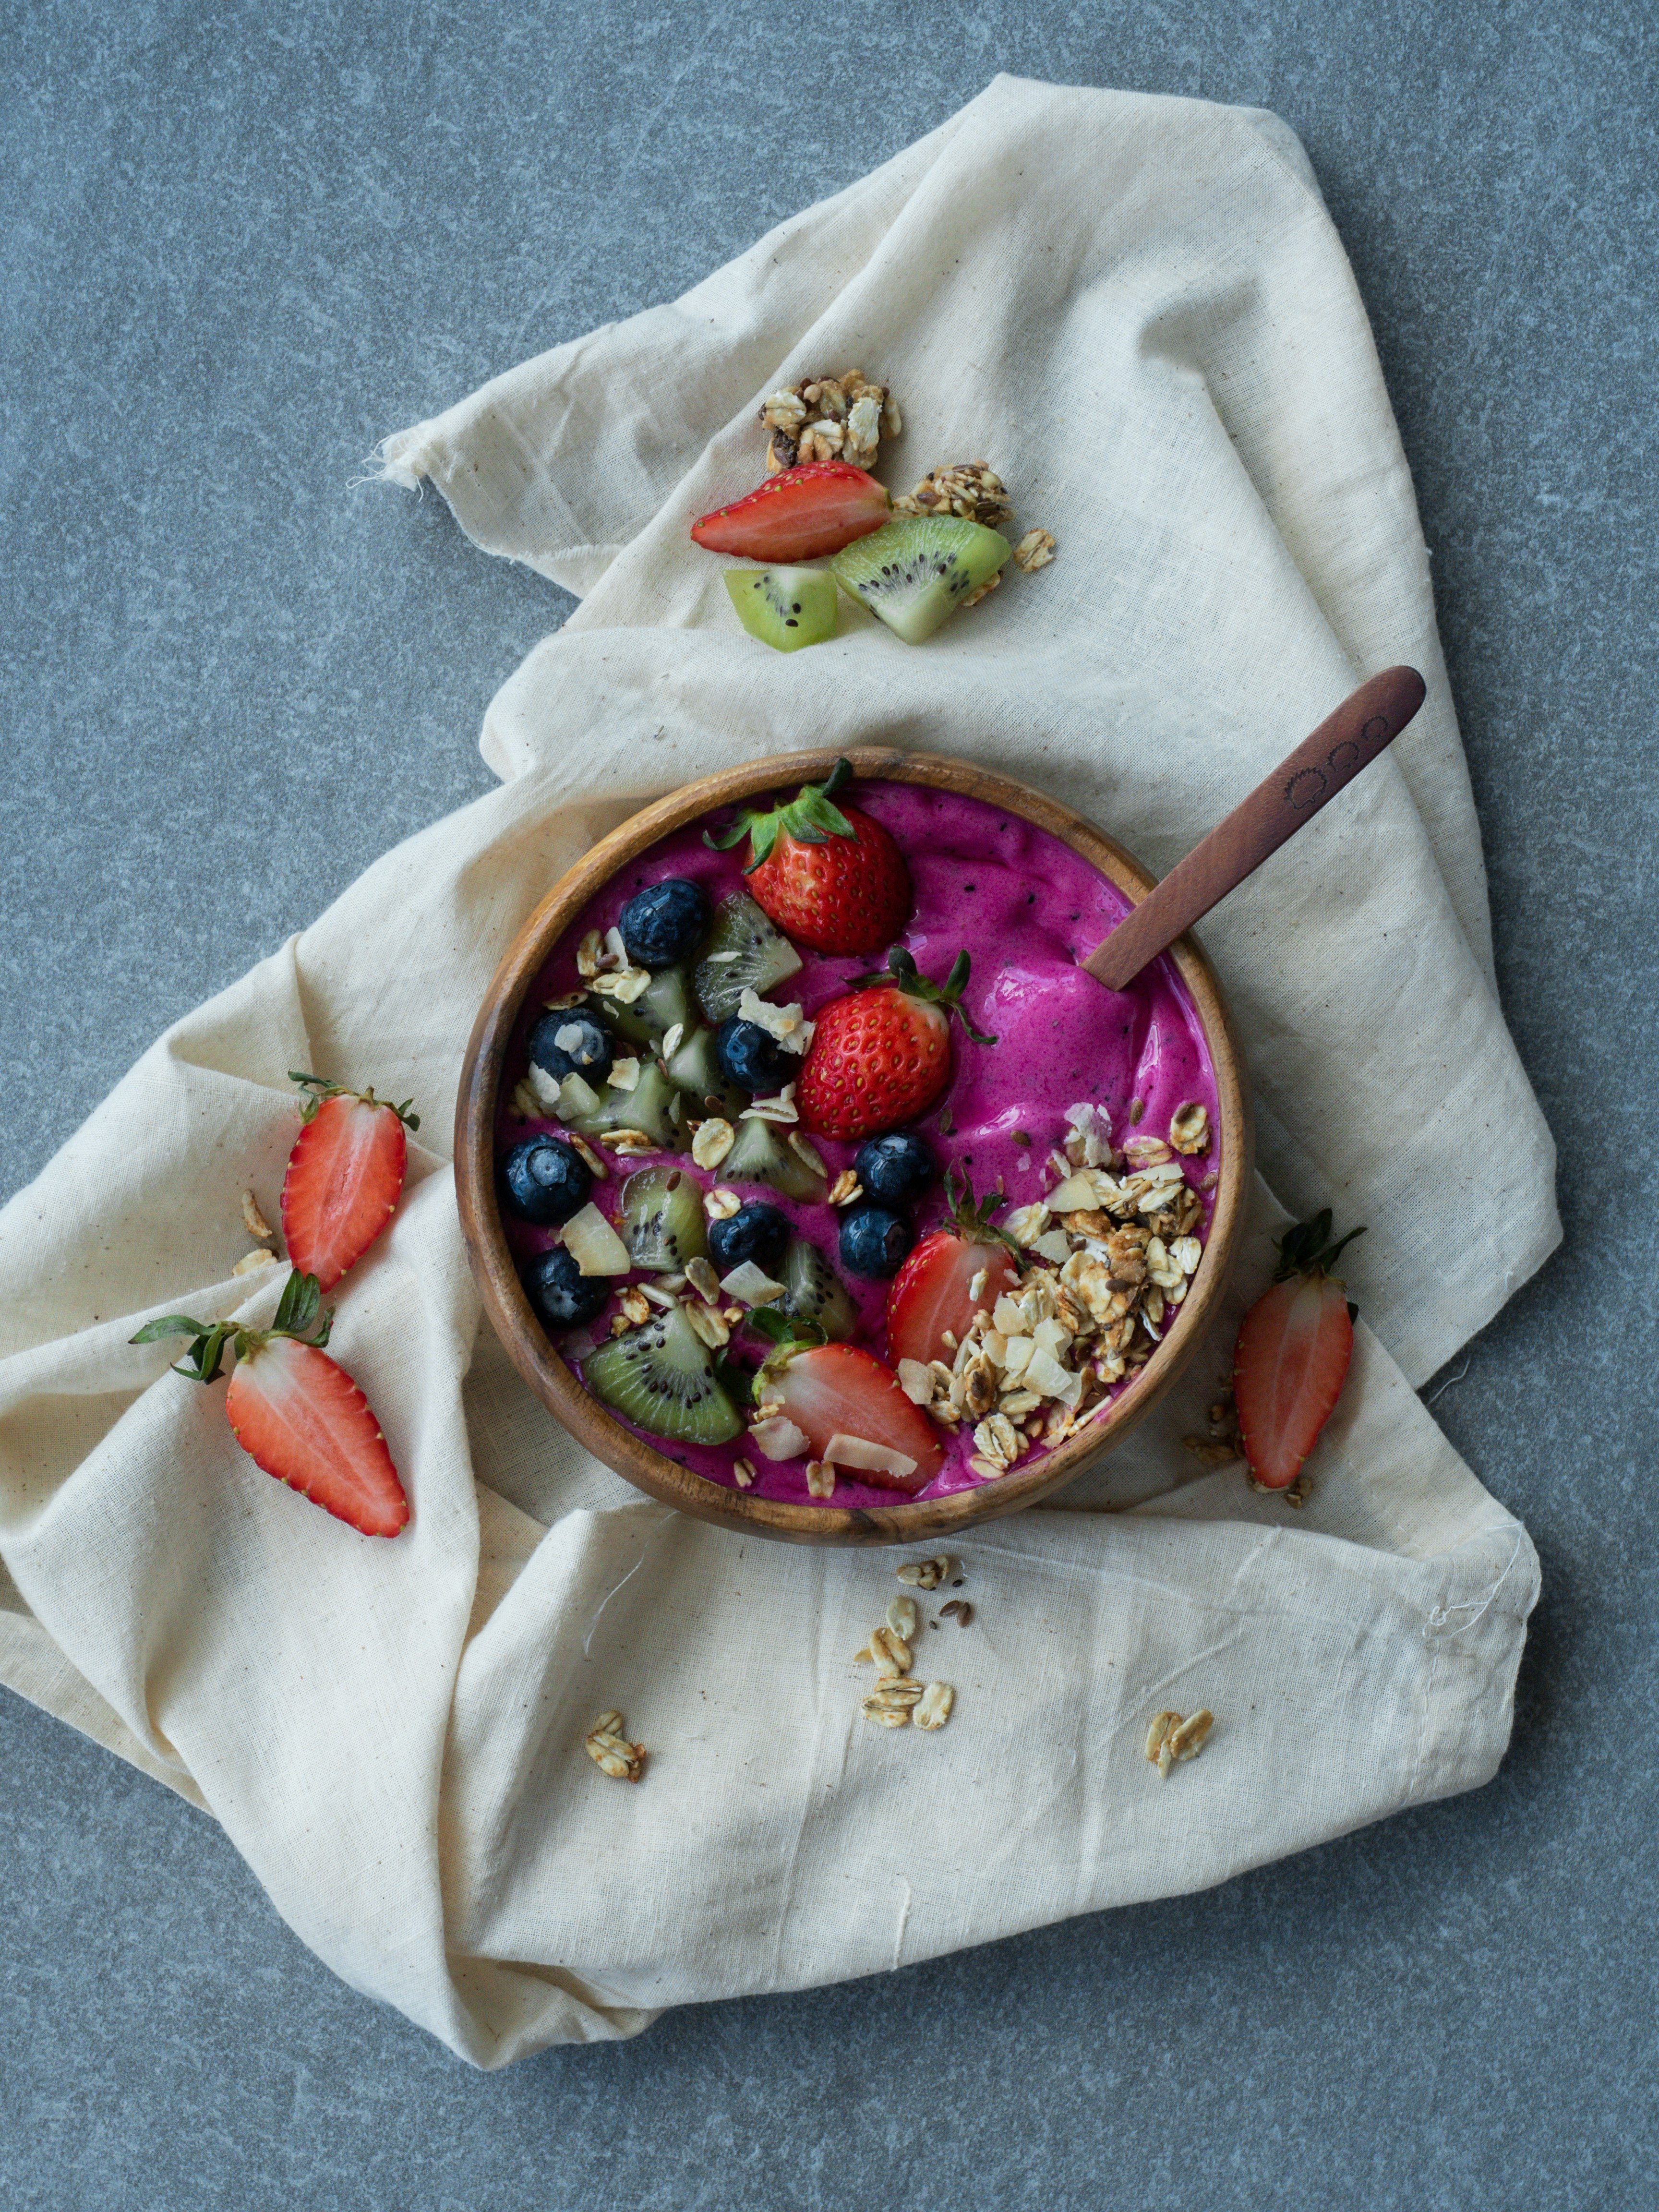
(1137, 311)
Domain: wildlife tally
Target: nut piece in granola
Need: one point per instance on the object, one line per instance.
(610, 1751)
(925, 1574)
(1034, 550)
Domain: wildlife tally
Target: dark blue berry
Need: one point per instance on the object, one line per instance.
(586, 1051)
(874, 1240)
(665, 923)
(546, 1181)
(752, 1058)
(562, 1296)
(896, 1169)
(756, 1231)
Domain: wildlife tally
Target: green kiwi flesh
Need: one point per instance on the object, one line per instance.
(814, 1292)
(660, 1375)
(694, 1069)
(784, 607)
(665, 1000)
(662, 1220)
(913, 574)
(648, 1106)
(743, 953)
(760, 1155)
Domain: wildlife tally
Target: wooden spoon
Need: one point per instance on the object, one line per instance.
(1344, 743)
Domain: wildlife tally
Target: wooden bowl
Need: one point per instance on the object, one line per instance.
(907, 1521)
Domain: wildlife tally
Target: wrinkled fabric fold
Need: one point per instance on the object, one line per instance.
(1137, 310)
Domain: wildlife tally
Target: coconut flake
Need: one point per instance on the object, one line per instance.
(788, 1025)
(624, 1073)
(599, 1251)
(777, 1438)
(544, 1088)
(780, 1109)
(751, 1284)
(876, 1459)
(916, 1381)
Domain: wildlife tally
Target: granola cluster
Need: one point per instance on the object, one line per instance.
(829, 418)
(1108, 1252)
(972, 490)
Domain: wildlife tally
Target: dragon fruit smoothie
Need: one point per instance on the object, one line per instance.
(1026, 910)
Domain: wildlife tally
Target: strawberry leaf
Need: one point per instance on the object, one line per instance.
(1307, 1249)
(321, 1087)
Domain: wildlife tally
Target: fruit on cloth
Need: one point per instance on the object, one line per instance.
(752, 1059)
(560, 1294)
(295, 1411)
(660, 1375)
(344, 1176)
(895, 1169)
(881, 1056)
(665, 923)
(837, 1391)
(570, 1040)
(914, 573)
(662, 1220)
(827, 875)
(814, 1292)
(798, 515)
(874, 1240)
(1292, 1354)
(761, 1155)
(544, 1181)
(743, 953)
(961, 1270)
(756, 1231)
(784, 607)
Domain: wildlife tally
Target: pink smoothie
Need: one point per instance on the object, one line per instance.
(1027, 909)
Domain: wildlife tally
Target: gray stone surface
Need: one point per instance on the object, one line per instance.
(243, 243)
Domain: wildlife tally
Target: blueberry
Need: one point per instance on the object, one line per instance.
(756, 1231)
(665, 923)
(546, 1181)
(874, 1240)
(586, 1050)
(752, 1058)
(562, 1296)
(896, 1169)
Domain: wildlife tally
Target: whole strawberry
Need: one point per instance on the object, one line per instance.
(344, 1176)
(1292, 1354)
(881, 1056)
(828, 876)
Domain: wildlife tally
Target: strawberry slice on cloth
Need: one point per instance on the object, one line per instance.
(1292, 1354)
(881, 1056)
(960, 1270)
(797, 514)
(344, 1176)
(847, 1405)
(828, 876)
(295, 1411)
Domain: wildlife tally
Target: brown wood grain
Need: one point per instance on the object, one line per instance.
(905, 1522)
(1328, 758)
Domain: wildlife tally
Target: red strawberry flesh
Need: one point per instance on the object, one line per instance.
(838, 1390)
(797, 516)
(344, 1176)
(932, 1293)
(300, 1417)
(1289, 1367)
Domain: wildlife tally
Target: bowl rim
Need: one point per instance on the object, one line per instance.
(556, 1384)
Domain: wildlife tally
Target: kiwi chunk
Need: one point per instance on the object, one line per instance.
(694, 1070)
(660, 1375)
(760, 1155)
(666, 999)
(662, 1220)
(913, 574)
(743, 953)
(814, 1292)
(784, 607)
(648, 1106)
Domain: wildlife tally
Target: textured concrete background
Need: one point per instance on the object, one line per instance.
(243, 244)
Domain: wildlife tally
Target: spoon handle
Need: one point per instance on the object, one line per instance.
(1345, 741)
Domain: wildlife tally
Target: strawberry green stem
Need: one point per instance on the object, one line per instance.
(809, 819)
(902, 970)
(321, 1087)
(300, 1314)
(1307, 1249)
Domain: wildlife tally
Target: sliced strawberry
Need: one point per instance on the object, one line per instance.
(836, 1389)
(294, 1410)
(344, 1176)
(797, 514)
(301, 1418)
(1292, 1355)
(959, 1271)
(880, 1057)
(828, 876)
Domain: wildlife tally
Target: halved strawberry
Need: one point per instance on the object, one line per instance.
(295, 1411)
(1292, 1354)
(832, 1390)
(797, 514)
(830, 877)
(959, 1271)
(344, 1176)
(881, 1056)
